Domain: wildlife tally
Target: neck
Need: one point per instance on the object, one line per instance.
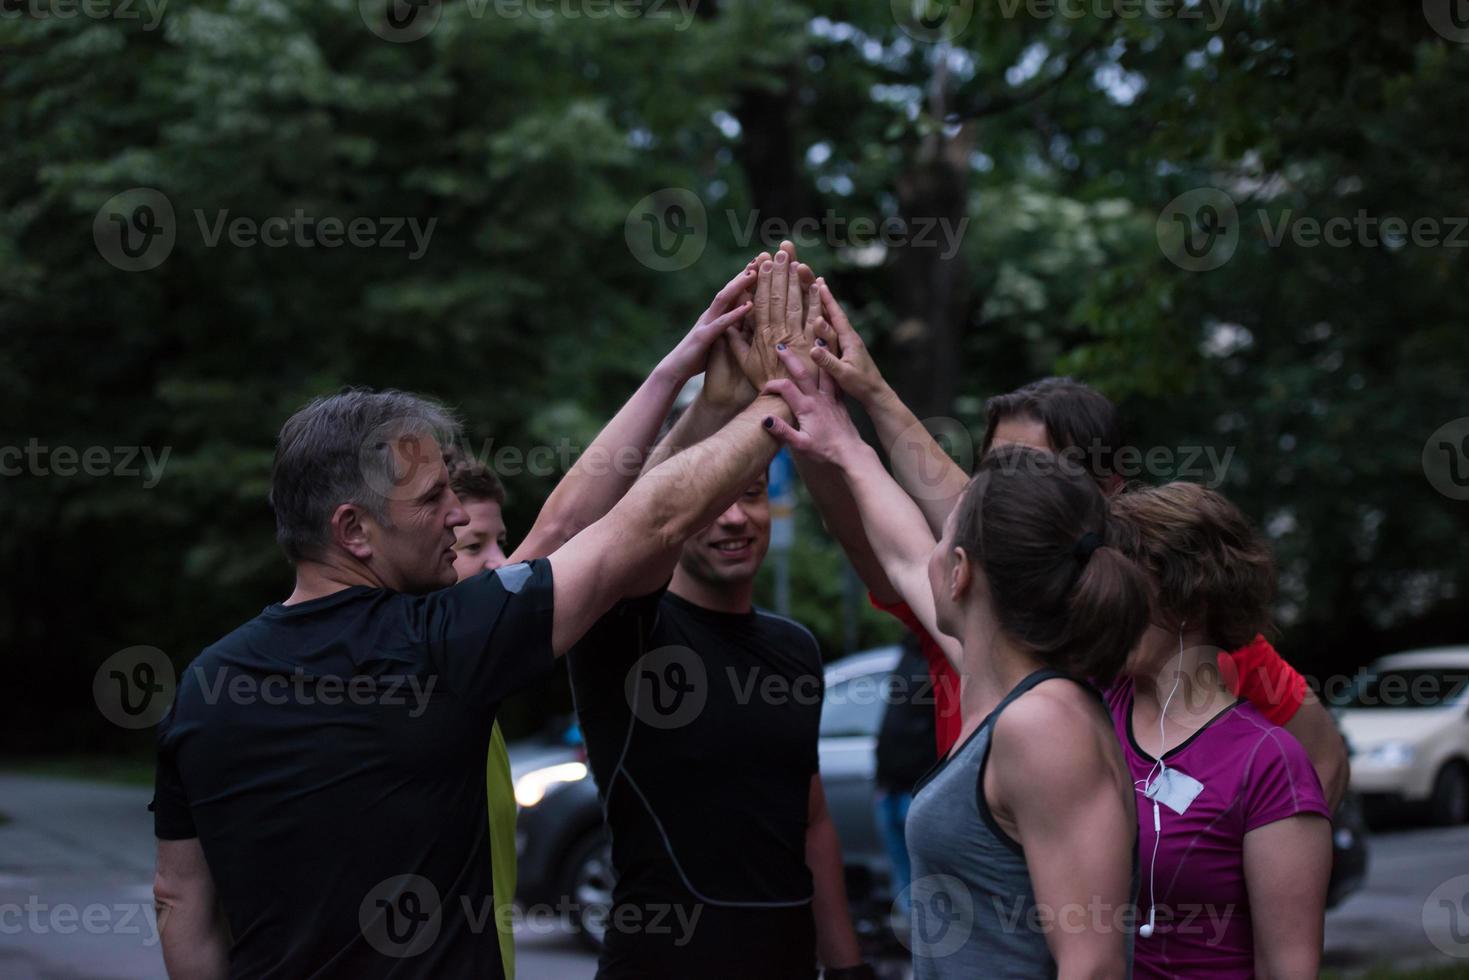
(991, 667)
(726, 597)
(1200, 689)
(317, 579)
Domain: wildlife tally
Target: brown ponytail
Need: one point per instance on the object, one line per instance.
(1077, 606)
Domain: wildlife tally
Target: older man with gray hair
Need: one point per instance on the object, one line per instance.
(320, 799)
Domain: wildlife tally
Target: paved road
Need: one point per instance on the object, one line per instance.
(76, 864)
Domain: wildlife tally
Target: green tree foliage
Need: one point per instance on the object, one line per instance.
(1049, 144)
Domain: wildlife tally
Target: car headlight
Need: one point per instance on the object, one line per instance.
(1390, 755)
(531, 788)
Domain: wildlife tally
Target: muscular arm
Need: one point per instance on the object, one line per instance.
(191, 926)
(1314, 728)
(1056, 780)
(634, 548)
(1287, 867)
(836, 942)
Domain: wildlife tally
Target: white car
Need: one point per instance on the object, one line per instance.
(1407, 722)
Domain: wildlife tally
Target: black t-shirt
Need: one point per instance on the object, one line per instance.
(330, 757)
(701, 729)
(905, 740)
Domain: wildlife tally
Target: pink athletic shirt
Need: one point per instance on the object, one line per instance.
(1254, 773)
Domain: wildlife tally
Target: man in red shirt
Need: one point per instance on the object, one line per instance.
(1080, 425)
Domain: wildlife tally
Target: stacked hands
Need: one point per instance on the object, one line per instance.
(776, 329)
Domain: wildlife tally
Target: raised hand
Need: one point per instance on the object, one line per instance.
(727, 310)
(841, 353)
(824, 431)
(779, 317)
(725, 384)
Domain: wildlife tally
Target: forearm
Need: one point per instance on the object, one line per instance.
(195, 942)
(1313, 727)
(702, 419)
(836, 941)
(603, 473)
(828, 488)
(920, 465)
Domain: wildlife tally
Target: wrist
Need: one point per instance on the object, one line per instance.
(668, 375)
(878, 398)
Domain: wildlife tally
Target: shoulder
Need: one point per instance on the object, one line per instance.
(1057, 730)
(790, 635)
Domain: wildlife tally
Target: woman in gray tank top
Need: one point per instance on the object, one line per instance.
(1023, 840)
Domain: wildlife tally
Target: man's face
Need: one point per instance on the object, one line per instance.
(729, 551)
(414, 550)
(479, 546)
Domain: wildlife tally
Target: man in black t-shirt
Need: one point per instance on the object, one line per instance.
(701, 717)
(320, 798)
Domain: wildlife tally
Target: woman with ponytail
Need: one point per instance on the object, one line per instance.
(1023, 837)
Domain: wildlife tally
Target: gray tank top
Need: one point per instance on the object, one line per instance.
(973, 904)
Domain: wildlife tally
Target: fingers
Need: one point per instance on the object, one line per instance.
(731, 291)
(795, 316)
(779, 281)
(837, 317)
(825, 336)
(831, 366)
(813, 308)
(803, 376)
(719, 324)
(763, 286)
(784, 433)
(737, 343)
(785, 388)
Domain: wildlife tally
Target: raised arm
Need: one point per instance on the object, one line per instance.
(899, 536)
(603, 473)
(933, 480)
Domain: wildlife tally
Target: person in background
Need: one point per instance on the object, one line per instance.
(1233, 824)
(480, 546)
(1066, 417)
(904, 754)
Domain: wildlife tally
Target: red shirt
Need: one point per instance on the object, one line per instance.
(1254, 672)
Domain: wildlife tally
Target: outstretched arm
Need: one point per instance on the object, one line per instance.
(933, 480)
(895, 527)
(612, 462)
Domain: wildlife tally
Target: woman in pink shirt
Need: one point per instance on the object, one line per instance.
(1234, 832)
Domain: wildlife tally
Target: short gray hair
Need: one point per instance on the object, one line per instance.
(338, 450)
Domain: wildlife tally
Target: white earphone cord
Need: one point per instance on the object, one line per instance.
(1162, 767)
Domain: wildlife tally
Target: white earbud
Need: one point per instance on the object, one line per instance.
(1146, 930)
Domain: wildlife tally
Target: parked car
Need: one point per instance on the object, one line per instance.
(564, 853)
(1407, 720)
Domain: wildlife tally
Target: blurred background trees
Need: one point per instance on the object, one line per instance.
(1049, 145)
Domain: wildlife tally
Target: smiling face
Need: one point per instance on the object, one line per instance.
(729, 551)
(413, 550)
(480, 545)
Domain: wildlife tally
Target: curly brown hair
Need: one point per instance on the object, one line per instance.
(1208, 563)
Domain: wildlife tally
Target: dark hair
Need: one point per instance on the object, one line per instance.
(1076, 417)
(1022, 521)
(473, 480)
(1209, 564)
(340, 449)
